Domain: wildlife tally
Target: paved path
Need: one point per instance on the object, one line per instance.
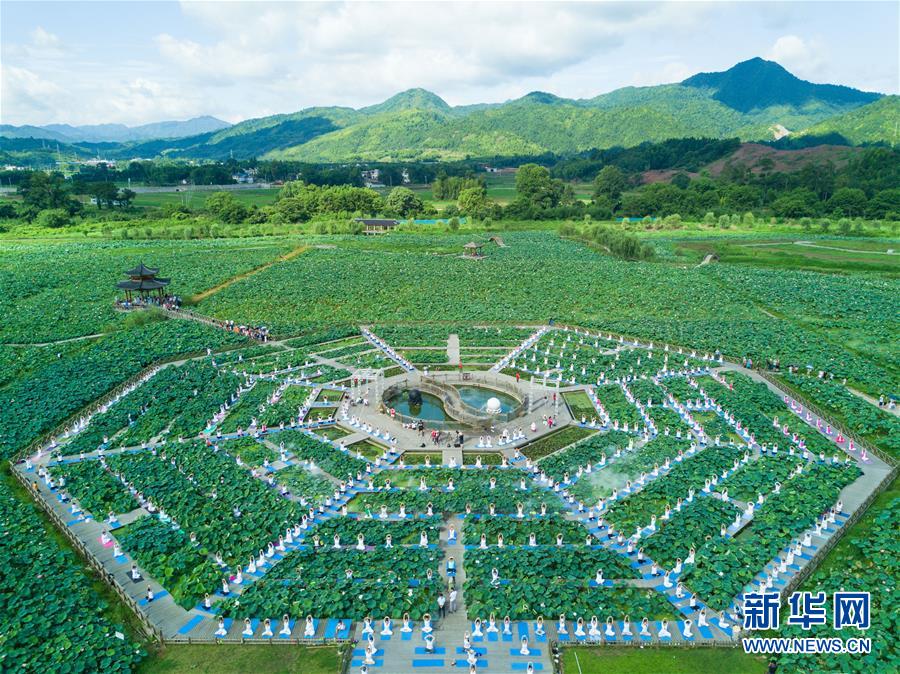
(453, 349)
(872, 401)
(398, 654)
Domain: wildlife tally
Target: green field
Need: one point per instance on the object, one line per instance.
(239, 659)
(758, 301)
(847, 255)
(193, 198)
(661, 661)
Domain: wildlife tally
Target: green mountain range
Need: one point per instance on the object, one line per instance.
(878, 121)
(754, 100)
(115, 133)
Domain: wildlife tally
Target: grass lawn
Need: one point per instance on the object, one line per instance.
(789, 255)
(241, 658)
(661, 661)
(320, 414)
(487, 458)
(580, 405)
(333, 432)
(370, 450)
(330, 396)
(554, 441)
(197, 198)
(418, 458)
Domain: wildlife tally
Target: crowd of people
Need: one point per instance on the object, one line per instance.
(260, 333)
(170, 302)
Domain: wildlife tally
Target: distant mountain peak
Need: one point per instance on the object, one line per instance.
(411, 99)
(541, 98)
(120, 133)
(757, 83)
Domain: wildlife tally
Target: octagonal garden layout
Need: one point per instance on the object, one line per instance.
(479, 496)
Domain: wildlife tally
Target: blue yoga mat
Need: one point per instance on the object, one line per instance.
(463, 663)
(478, 651)
(705, 632)
(427, 662)
(522, 627)
(358, 662)
(191, 624)
(532, 653)
(438, 650)
(522, 666)
(158, 595)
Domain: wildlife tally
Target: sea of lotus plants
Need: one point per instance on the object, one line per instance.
(51, 619)
(382, 581)
(840, 326)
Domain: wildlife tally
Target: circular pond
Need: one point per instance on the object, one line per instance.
(429, 409)
(479, 397)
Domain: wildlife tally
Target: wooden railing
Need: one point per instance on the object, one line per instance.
(151, 630)
(798, 397)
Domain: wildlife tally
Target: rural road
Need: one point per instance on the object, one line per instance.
(810, 244)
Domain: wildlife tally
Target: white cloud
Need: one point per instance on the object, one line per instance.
(805, 58)
(224, 61)
(24, 91)
(43, 38)
(244, 59)
(356, 53)
(673, 71)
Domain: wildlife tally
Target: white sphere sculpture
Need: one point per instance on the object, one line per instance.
(493, 406)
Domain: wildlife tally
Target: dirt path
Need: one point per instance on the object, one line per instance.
(709, 258)
(872, 401)
(247, 274)
(810, 244)
(61, 341)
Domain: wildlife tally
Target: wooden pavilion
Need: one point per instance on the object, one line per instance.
(144, 281)
(378, 225)
(473, 250)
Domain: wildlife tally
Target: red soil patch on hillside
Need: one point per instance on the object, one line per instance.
(785, 161)
(751, 154)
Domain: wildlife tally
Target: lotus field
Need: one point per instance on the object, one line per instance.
(221, 483)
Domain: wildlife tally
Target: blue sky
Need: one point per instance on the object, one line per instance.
(138, 62)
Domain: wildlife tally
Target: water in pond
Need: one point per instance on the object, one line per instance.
(477, 397)
(431, 409)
